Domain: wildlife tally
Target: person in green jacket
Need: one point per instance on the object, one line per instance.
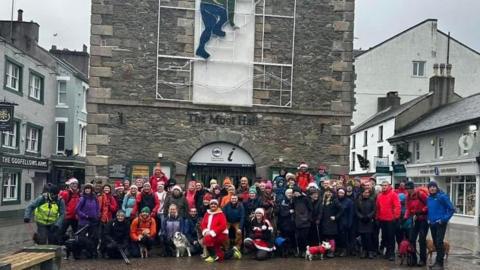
(215, 13)
(49, 212)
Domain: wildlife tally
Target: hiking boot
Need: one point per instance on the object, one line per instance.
(371, 255)
(391, 258)
(236, 253)
(363, 255)
(436, 266)
(421, 263)
(330, 254)
(210, 259)
(342, 253)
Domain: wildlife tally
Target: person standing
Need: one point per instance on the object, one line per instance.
(129, 201)
(158, 175)
(88, 213)
(302, 209)
(388, 213)
(108, 208)
(177, 198)
(417, 208)
(71, 197)
(146, 198)
(286, 222)
(303, 177)
(440, 211)
(345, 224)
(332, 211)
(365, 212)
(49, 212)
(215, 232)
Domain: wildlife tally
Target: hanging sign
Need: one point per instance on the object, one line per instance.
(6, 116)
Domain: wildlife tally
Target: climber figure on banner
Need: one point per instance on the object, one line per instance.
(215, 13)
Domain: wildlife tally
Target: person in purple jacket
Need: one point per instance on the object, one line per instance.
(88, 212)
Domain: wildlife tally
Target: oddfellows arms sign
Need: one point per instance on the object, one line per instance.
(23, 162)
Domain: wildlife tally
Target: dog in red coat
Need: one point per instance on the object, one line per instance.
(317, 250)
(404, 249)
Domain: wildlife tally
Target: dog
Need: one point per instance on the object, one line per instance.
(143, 251)
(431, 249)
(321, 250)
(404, 249)
(181, 244)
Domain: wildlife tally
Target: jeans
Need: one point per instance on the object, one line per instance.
(47, 234)
(388, 236)
(438, 235)
(302, 236)
(420, 230)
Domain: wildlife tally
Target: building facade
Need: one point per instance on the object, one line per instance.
(404, 62)
(30, 78)
(275, 91)
(444, 147)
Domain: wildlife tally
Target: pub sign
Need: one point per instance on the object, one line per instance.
(6, 116)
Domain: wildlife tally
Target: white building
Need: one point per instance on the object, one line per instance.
(404, 62)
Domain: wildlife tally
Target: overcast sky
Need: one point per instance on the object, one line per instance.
(375, 20)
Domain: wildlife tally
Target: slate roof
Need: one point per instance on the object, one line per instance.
(387, 114)
(463, 110)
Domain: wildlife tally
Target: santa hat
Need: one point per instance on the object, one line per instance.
(290, 176)
(260, 211)
(303, 165)
(177, 187)
(118, 185)
(312, 185)
(207, 197)
(215, 201)
(161, 183)
(72, 181)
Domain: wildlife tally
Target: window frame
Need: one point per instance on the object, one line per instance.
(83, 141)
(39, 139)
(353, 161)
(453, 192)
(380, 133)
(354, 141)
(378, 151)
(58, 136)
(59, 83)
(365, 156)
(33, 74)
(440, 147)
(6, 86)
(18, 198)
(415, 67)
(15, 149)
(416, 150)
(365, 138)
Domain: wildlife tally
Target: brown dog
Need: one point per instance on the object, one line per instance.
(431, 249)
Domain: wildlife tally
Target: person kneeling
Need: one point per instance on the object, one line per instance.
(260, 236)
(142, 232)
(117, 236)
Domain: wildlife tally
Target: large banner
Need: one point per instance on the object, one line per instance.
(225, 39)
(6, 117)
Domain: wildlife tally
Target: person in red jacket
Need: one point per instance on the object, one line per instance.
(402, 188)
(388, 212)
(215, 232)
(108, 208)
(146, 198)
(143, 231)
(303, 177)
(71, 197)
(417, 207)
(158, 176)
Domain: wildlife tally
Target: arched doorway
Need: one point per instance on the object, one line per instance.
(220, 159)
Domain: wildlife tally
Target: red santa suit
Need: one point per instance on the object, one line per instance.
(154, 180)
(214, 229)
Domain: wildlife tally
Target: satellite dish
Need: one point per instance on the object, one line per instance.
(466, 142)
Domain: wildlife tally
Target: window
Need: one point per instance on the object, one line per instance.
(380, 151)
(365, 155)
(353, 161)
(441, 146)
(60, 137)
(13, 76)
(84, 105)
(462, 193)
(419, 68)
(380, 133)
(365, 138)
(33, 139)
(35, 91)
(11, 186)
(83, 140)
(62, 93)
(10, 139)
(353, 141)
(416, 149)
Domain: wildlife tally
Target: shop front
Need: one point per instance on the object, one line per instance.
(459, 179)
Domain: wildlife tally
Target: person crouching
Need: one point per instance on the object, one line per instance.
(142, 232)
(214, 230)
(117, 236)
(260, 236)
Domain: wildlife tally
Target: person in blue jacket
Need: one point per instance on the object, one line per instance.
(235, 214)
(440, 210)
(344, 238)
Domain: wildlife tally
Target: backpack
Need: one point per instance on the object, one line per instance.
(47, 212)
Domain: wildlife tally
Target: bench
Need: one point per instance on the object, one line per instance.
(43, 257)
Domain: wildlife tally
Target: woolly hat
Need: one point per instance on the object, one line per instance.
(303, 165)
(177, 187)
(290, 176)
(432, 184)
(410, 185)
(72, 181)
(118, 185)
(213, 181)
(312, 185)
(252, 189)
(207, 197)
(268, 185)
(133, 186)
(213, 201)
(227, 181)
(260, 210)
(145, 210)
(289, 190)
(88, 185)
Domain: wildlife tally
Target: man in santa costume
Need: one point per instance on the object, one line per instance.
(303, 177)
(214, 230)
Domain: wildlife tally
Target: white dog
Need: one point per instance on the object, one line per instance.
(314, 251)
(181, 244)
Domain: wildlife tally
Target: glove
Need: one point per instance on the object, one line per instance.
(26, 220)
(332, 218)
(292, 211)
(264, 227)
(212, 233)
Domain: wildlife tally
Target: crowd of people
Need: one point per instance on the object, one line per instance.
(281, 217)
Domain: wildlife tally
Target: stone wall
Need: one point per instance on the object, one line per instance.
(126, 120)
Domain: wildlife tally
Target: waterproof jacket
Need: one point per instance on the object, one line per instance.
(139, 225)
(108, 207)
(154, 181)
(88, 210)
(170, 225)
(235, 214)
(346, 220)
(117, 232)
(440, 208)
(38, 202)
(303, 211)
(250, 206)
(179, 201)
(286, 222)
(71, 200)
(128, 204)
(417, 206)
(388, 206)
(303, 179)
(365, 213)
(145, 199)
(334, 208)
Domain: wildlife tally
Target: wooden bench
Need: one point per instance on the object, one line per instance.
(43, 257)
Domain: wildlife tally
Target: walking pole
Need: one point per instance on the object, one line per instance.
(124, 256)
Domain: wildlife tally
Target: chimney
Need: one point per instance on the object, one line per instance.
(54, 48)
(20, 15)
(391, 100)
(442, 85)
(84, 48)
